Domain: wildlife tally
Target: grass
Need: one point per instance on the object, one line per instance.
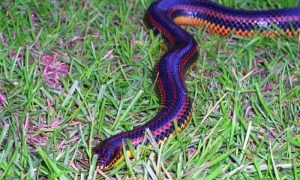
(246, 93)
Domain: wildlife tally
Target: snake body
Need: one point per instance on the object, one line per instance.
(164, 17)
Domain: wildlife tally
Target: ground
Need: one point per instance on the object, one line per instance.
(74, 73)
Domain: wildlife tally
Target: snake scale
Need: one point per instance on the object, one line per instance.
(165, 17)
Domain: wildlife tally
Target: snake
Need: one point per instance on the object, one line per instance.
(166, 17)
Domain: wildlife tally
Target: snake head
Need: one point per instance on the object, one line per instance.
(109, 153)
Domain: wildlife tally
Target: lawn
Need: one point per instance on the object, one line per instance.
(73, 73)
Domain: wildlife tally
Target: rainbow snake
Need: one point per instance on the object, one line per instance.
(164, 17)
